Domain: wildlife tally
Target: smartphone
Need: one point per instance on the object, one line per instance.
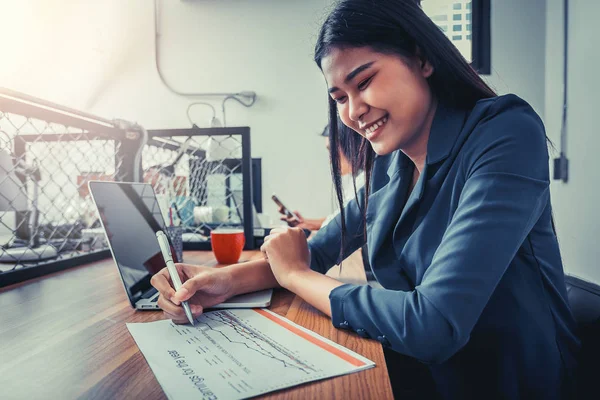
(286, 210)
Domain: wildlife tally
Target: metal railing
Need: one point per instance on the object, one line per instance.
(204, 175)
(48, 153)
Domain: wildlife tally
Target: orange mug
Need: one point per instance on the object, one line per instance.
(227, 245)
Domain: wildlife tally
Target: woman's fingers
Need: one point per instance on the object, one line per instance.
(169, 307)
(162, 282)
(191, 286)
(170, 301)
(277, 230)
(177, 313)
(263, 250)
(291, 221)
(177, 319)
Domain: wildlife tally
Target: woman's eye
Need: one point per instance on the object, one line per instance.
(340, 100)
(362, 85)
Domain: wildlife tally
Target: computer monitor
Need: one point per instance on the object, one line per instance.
(238, 200)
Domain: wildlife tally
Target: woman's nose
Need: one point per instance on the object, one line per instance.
(357, 108)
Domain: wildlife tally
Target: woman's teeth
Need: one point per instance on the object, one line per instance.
(376, 125)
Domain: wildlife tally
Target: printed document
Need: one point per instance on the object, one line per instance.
(236, 354)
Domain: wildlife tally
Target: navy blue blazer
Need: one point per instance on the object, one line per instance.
(469, 261)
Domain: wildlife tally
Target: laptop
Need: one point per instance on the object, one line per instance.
(130, 216)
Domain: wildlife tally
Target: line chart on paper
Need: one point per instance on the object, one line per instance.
(243, 338)
(235, 354)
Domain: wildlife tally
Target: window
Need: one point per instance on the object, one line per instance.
(472, 38)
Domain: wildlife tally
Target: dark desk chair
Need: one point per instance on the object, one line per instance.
(584, 298)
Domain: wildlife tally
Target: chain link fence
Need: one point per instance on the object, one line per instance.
(48, 153)
(202, 178)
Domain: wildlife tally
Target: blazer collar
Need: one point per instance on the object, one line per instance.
(445, 129)
(447, 125)
(398, 162)
(389, 205)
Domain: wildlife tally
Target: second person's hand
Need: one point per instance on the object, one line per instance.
(202, 287)
(291, 221)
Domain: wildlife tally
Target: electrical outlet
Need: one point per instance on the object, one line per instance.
(561, 168)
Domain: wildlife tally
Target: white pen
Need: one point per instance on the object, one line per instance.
(165, 249)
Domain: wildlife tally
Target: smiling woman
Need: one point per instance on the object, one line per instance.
(365, 85)
(456, 212)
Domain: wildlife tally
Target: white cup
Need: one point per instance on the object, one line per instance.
(220, 214)
(203, 215)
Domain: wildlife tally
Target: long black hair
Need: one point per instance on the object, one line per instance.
(397, 27)
(345, 139)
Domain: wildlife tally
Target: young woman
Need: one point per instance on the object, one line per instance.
(456, 212)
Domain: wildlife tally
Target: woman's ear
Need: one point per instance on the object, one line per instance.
(425, 66)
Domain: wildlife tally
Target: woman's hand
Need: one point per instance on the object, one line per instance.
(202, 287)
(291, 221)
(301, 222)
(286, 250)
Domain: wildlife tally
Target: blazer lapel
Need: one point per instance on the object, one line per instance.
(415, 195)
(388, 206)
(384, 207)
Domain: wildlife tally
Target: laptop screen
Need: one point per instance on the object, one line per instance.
(131, 217)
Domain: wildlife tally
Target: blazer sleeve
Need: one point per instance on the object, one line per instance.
(325, 246)
(506, 190)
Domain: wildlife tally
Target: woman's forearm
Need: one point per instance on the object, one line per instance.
(313, 224)
(314, 288)
(252, 276)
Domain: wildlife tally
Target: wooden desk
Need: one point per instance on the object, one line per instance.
(64, 336)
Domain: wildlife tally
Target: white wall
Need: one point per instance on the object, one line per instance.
(229, 46)
(65, 50)
(99, 57)
(576, 202)
(518, 32)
